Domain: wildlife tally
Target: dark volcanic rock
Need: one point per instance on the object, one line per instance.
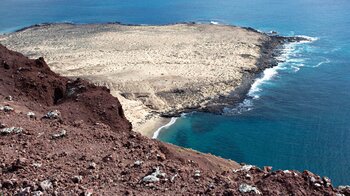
(99, 154)
(33, 81)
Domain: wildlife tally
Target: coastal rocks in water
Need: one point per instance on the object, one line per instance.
(299, 39)
(6, 131)
(53, 115)
(245, 188)
(154, 177)
(272, 33)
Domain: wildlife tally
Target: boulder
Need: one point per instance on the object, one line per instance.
(62, 134)
(31, 115)
(46, 185)
(6, 108)
(53, 115)
(245, 188)
(154, 177)
(6, 131)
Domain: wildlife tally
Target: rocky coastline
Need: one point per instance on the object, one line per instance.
(270, 50)
(152, 106)
(62, 136)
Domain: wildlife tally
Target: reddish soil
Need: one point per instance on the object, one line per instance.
(100, 154)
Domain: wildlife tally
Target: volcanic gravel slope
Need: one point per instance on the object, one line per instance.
(87, 146)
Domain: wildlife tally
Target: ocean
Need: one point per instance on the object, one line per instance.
(295, 116)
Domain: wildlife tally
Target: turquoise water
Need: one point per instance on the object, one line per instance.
(297, 116)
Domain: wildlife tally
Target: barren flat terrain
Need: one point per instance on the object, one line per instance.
(152, 70)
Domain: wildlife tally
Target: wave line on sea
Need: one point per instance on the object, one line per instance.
(156, 133)
(267, 75)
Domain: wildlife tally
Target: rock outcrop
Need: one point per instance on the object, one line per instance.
(76, 141)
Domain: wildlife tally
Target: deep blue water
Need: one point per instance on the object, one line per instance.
(298, 119)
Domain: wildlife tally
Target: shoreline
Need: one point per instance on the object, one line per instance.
(246, 89)
(153, 125)
(189, 84)
(106, 146)
(157, 132)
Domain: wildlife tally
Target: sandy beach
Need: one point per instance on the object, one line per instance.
(153, 70)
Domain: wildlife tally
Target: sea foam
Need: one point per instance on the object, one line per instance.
(325, 61)
(156, 133)
(309, 39)
(289, 60)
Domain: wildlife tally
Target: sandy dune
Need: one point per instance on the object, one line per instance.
(151, 69)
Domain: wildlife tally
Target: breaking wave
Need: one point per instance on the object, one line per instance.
(289, 60)
(172, 121)
(325, 61)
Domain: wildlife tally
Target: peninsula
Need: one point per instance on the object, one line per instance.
(155, 71)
